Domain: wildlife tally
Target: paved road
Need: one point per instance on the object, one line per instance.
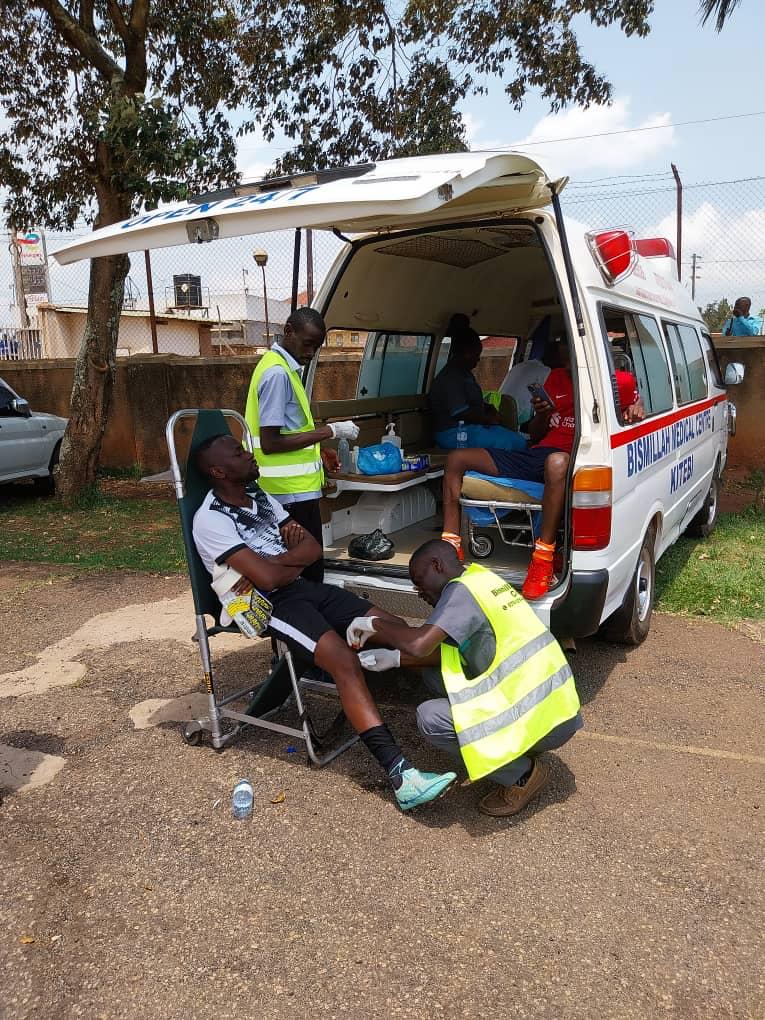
(633, 889)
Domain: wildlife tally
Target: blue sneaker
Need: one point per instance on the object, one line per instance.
(421, 787)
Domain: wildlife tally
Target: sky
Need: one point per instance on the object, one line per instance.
(681, 72)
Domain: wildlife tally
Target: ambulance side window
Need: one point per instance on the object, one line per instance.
(694, 359)
(651, 366)
(713, 363)
(394, 364)
(679, 365)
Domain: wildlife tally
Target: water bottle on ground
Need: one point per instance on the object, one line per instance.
(242, 799)
(462, 439)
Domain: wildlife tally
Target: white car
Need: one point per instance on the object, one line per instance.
(30, 441)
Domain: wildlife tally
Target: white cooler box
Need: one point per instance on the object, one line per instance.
(391, 511)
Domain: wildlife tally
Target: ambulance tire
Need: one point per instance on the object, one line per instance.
(630, 624)
(703, 524)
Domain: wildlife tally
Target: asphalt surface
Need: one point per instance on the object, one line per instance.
(633, 887)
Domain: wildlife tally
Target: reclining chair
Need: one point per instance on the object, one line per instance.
(282, 682)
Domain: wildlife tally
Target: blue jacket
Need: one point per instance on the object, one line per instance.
(743, 325)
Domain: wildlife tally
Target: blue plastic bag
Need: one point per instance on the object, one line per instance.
(381, 459)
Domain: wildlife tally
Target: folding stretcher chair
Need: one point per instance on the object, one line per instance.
(283, 682)
(511, 505)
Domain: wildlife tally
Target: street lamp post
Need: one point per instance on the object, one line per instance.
(261, 258)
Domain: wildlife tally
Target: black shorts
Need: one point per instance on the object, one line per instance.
(528, 465)
(304, 612)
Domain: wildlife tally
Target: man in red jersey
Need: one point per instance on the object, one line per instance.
(546, 460)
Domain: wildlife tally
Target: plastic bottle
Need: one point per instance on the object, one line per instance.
(344, 456)
(462, 439)
(242, 799)
(249, 612)
(390, 435)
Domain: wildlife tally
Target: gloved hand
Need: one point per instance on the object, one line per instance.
(344, 430)
(379, 659)
(359, 631)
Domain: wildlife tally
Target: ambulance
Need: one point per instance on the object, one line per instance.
(485, 234)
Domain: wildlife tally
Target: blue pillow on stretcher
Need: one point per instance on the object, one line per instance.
(485, 517)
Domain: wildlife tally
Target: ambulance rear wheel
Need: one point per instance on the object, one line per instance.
(630, 624)
(481, 546)
(703, 524)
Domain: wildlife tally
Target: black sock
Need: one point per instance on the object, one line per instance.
(525, 777)
(379, 741)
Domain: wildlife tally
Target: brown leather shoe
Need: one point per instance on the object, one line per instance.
(504, 801)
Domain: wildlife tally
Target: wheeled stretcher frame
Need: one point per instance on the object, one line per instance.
(283, 682)
(510, 529)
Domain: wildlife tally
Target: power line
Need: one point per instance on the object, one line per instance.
(630, 131)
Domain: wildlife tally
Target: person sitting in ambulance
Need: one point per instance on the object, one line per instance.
(455, 396)
(551, 431)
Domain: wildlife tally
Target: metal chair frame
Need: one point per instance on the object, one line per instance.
(511, 532)
(274, 687)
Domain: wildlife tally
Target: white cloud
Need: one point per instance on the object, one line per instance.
(609, 152)
(731, 248)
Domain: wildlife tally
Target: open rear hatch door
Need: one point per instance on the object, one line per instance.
(370, 198)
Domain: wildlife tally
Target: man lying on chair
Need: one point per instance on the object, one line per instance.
(240, 525)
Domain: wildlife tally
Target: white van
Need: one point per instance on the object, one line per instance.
(483, 234)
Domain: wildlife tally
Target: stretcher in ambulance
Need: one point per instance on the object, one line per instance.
(484, 234)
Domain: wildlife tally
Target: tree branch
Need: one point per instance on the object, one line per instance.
(139, 16)
(118, 20)
(78, 39)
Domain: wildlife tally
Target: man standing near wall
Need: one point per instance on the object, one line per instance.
(287, 440)
(741, 323)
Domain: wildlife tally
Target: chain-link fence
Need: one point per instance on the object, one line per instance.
(233, 296)
(723, 230)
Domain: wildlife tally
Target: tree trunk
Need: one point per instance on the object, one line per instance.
(93, 378)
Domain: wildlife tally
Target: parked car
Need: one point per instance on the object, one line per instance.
(30, 441)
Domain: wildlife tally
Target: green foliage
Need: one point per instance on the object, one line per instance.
(715, 314)
(102, 532)
(720, 10)
(722, 576)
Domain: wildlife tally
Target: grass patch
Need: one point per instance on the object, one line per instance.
(722, 576)
(105, 533)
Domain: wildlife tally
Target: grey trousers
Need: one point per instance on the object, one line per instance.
(435, 723)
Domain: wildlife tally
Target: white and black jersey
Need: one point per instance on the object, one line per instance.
(220, 529)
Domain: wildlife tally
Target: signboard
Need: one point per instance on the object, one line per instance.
(35, 279)
(31, 248)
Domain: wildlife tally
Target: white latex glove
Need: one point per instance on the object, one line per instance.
(379, 659)
(359, 631)
(344, 430)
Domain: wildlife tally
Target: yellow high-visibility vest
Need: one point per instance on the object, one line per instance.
(525, 693)
(284, 474)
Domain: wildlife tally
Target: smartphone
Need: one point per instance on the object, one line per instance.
(540, 393)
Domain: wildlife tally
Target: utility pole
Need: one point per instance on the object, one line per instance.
(679, 220)
(695, 259)
(18, 279)
(309, 266)
(150, 294)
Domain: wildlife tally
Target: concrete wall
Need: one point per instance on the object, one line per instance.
(747, 448)
(148, 389)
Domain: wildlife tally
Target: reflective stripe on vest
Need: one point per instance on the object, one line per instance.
(298, 471)
(525, 693)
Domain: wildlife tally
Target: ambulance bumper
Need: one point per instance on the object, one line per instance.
(577, 613)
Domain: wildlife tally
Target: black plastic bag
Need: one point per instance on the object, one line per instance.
(375, 546)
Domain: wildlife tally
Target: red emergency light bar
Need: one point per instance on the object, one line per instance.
(614, 253)
(654, 247)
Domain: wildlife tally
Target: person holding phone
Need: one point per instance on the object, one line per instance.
(551, 431)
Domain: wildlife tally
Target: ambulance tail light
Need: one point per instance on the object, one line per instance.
(591, 508)
(614, 253)
(654, 248)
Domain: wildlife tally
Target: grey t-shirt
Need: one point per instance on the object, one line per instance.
(459, 615)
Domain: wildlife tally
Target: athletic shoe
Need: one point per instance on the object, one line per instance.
(504, 801)
(538, 579)
(421, 787)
